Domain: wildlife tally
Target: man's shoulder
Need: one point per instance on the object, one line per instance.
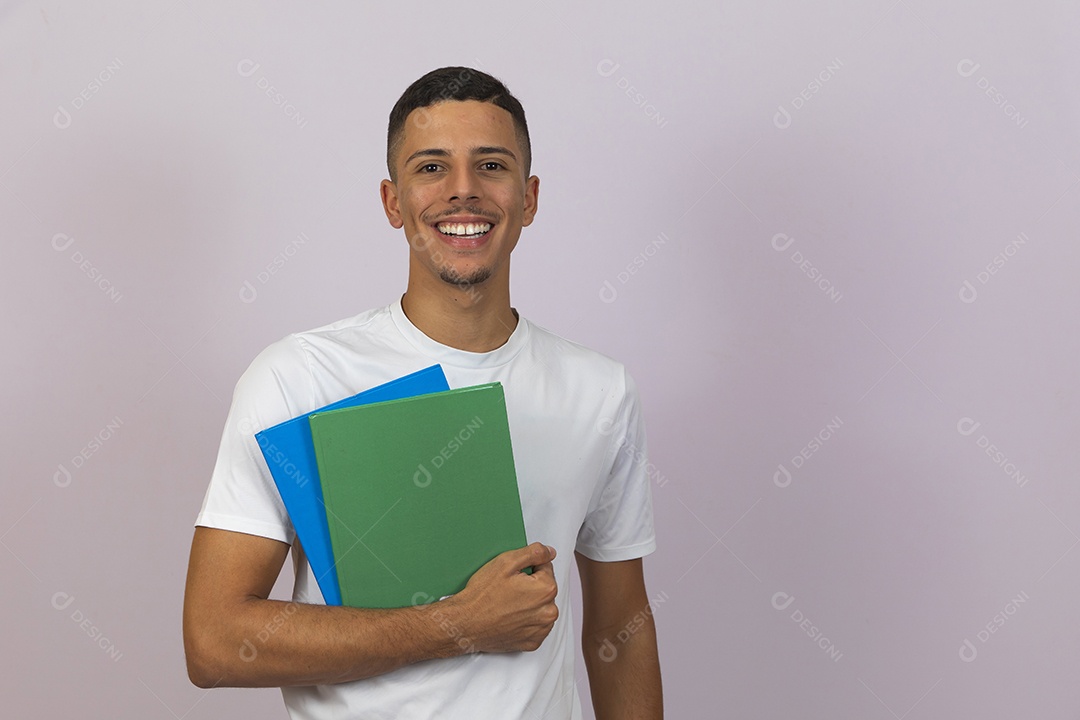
(293, 351)
(574, 358)
(346, 330)
(355, 325)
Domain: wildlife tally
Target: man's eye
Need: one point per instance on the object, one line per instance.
(492, 165)
(430, 167)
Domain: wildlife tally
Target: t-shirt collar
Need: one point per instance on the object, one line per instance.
(453, 356)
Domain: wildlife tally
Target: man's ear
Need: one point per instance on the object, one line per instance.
(388, 193)
(532, 194)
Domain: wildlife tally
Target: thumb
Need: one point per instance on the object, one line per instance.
(536, 553)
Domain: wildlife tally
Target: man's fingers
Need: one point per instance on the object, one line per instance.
(543, 569)
(531, 555)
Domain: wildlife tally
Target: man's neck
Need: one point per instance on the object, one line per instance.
(475, 319)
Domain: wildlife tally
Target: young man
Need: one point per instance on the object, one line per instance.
(458, 156)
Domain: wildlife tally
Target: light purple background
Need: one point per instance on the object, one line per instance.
(678, 147)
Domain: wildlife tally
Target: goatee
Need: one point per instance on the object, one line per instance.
(453, 277)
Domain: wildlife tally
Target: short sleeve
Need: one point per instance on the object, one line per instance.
(242, 496)
(619, 522)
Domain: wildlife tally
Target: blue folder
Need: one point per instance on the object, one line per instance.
(290, 455)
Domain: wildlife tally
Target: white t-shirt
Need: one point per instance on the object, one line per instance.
(578, 439)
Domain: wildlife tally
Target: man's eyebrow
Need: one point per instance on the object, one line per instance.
(493, 150)
(428, 152)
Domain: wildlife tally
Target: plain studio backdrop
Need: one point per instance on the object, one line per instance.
(835, 244)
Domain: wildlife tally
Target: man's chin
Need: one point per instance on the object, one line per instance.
(477, 276)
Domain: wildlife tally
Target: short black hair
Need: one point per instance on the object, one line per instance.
(454, 83)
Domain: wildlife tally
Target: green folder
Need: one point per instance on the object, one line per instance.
(420, 492)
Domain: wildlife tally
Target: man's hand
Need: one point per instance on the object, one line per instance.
(503, 609)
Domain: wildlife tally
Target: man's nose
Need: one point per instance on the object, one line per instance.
(463, 184)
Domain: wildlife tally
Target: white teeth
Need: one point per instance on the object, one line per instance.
(464, 229)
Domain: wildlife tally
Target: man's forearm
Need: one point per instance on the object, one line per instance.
(271, 643)
(624, 676)
(234, 636)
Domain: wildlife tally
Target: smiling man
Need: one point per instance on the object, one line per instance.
(459, 159)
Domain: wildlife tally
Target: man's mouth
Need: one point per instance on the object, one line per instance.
(464, 231)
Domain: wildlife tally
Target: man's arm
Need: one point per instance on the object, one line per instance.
(235, 636)
(618, 639)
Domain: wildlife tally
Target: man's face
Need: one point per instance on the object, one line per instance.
(461, 193)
